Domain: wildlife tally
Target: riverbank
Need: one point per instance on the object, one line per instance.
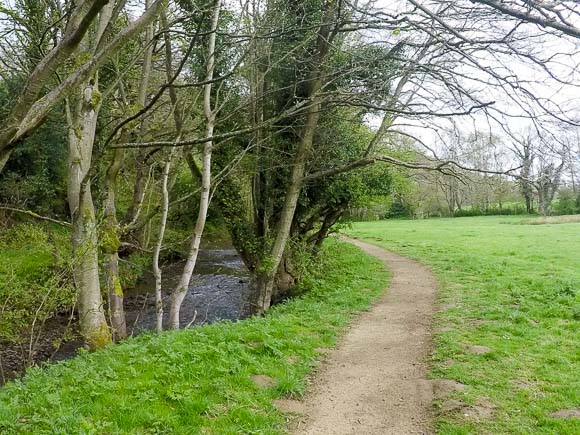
(219, 378)
(38, 320)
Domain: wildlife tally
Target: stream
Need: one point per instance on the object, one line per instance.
(219, 290)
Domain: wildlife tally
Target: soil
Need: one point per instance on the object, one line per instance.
(566, 413)
(263, 381)
(375, 382)
(446, 387)
(483, 409)
(479, 350)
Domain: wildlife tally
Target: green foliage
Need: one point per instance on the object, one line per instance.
(514, 289)
(567, 203)
(399, 209)
(33, 283)
(341, 138)
(199, 380)
(493, 210)
(35, 176)
(132, 268)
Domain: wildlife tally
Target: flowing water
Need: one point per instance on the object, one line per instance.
(219, 290)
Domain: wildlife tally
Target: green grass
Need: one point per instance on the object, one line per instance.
(199, 380)
(514, 289)
(25, 252)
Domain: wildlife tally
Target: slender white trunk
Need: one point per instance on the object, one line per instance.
(159, 244)
(181, 289)
(142, 166)
(110, 246)
(178, 120)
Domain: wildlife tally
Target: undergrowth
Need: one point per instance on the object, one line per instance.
(33, 277)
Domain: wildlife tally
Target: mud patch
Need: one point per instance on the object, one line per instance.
(479, 350)
(483, 409)
(289, 406)
(447, 364)
(521, 385)
(451, 406)
(446, 387)
(293, 360)
(566, 413)
(263, 381)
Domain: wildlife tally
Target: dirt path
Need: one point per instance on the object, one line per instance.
(375, 381)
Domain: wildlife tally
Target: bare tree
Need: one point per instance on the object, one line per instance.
(543, 164)
(558, 15)
(526, 157)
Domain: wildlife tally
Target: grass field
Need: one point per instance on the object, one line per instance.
(514, 289)
(199, 380)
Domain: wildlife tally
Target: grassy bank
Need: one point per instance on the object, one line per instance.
(36, 280)
(33, 280)
(199, 380)
(514, 289)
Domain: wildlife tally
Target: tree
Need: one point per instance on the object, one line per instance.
(210, 113)
(30, 109)
(543, 165)
(559, 15)
(287, 114)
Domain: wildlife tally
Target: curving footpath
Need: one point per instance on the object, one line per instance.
(375, 382)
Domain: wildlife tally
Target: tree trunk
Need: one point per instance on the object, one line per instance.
(4, 156)
(178, 120)
(327, 224)
(180, 291)
(286, 280)
(529, 208)
(141, 158)
(82, 126)
(110, 244)
(266, 279)
(159, 244)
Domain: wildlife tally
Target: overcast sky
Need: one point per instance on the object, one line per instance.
(564, 64)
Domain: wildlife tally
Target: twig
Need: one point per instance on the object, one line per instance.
(36, 216)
